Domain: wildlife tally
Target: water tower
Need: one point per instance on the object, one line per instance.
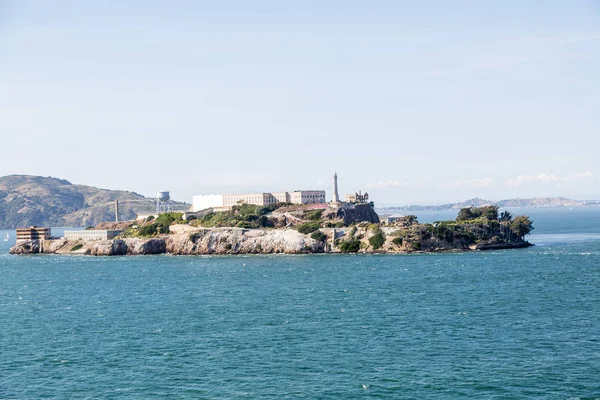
(163, 201)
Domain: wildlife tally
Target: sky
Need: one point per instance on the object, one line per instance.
(414, 102)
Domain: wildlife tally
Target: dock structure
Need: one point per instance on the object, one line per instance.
(33, 233)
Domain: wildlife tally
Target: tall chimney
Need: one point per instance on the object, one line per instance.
(117, 210)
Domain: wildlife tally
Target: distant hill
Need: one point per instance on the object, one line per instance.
(536, 202)
(44, 201)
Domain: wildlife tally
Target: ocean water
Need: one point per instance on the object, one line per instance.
(516, 324)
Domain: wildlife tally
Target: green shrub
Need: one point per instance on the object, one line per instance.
(350, 246)
(262, 210)
(314, 215)
(167, 219)
(77, 247)
(397, 241)
(415, 246)
(149, 218)
(319, 236)
(147, 230)
(308, 227)
(373, 227)
(377, 240)
(399, 233)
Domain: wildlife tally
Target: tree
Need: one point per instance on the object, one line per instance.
(409, 220)
(490, 212)
(505, 216)
(465, 214)
(521, 226)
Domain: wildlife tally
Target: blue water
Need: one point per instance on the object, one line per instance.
(519, 324)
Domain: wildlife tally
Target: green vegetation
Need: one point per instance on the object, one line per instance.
(147, 230)
(308, 227)
(442, 231)
(474, 224)
(377, 240)
(247, 216)
(314, 215)
(169, 218)
(397, 241)
(149, 218)
(77, 247)
(489, 213)
(319, 236)
(408, 220)
(159, 226)
(351, 245)
(521, 226)
(415, 246)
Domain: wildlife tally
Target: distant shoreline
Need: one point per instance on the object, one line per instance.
(502, 204)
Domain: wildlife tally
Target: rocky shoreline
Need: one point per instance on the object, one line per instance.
(232, 241)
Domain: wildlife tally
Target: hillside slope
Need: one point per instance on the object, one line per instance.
(44, 201)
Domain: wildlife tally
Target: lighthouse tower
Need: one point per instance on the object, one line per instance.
(336, 195)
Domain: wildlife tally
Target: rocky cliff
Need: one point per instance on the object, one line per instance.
(352, 214)
(191, 242)
(185, 240)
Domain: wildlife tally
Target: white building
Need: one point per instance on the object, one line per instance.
(93, 234)
(204, 201)
(307, 197)
(226, 201)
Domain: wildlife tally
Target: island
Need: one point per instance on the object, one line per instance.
(284, 228)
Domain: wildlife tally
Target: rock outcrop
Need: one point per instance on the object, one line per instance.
(364, 238)
(197, 242)
(352, 214)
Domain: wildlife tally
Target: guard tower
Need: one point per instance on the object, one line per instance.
(163, 202)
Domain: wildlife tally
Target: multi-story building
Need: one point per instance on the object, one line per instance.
(307, 197)
(226, 201)
(33, 233)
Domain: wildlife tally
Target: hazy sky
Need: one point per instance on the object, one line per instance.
(416, 102)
